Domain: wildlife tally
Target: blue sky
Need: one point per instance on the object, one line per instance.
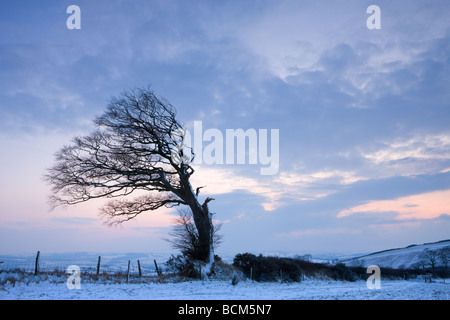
(363, 117)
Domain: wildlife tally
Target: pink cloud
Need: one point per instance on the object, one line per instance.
(428, 205)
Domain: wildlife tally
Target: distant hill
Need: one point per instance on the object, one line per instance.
(400, 258)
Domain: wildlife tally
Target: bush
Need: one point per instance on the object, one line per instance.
(442, 272)
(342, 272)
(291, 272)
(268, 269)
(183, 266)
(246, 262)
(262, 268)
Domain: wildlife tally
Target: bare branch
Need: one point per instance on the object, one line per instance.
(197, 191)
(121, 210)
(131, 150)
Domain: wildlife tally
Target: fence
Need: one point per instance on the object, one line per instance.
(134, 264)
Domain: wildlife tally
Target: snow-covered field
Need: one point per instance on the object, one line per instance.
(401, 258)
(16, 285)
(224, 290)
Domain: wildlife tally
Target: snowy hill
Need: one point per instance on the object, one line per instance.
(401, 258)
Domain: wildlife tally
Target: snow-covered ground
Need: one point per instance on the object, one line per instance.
(224, 290)
(23, 284)
(401, 258)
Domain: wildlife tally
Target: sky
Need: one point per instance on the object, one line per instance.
(363, 117)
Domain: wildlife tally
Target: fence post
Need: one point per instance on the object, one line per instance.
(157, 270)
(139, 267)
(128, 272)
(36, 265)
(98, 265)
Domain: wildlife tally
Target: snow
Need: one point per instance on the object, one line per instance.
(310, 289)
(87, 261)
(402, 258)
(16, 285)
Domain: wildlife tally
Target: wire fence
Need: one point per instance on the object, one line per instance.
(138, 264)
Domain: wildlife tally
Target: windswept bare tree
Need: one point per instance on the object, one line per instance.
(134, 151)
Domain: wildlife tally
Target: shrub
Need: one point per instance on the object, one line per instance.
(246, 262)
(185, 266)
(262, 268)
(291, 271)
(342, 272)
(268, 269)
(182, 266)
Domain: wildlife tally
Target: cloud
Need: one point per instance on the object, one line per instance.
(421, 154)
(428, 147)
(319, 232)
(301, 43)
(426, 206)
(324, 176)
(222, 181)
(276, 191)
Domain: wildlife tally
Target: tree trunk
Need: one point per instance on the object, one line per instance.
(204, 225)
